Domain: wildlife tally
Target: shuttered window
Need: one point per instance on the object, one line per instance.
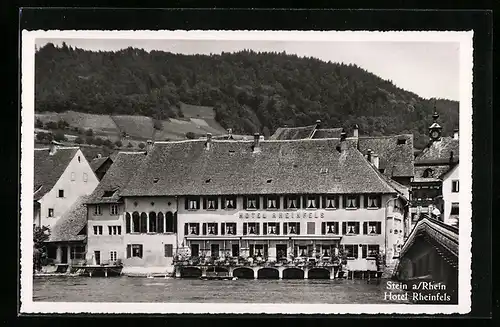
(311, 228)
(330, 227)
(169, 250)
(372, 201)
(330, 202)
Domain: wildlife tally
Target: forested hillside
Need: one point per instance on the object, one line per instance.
(250, 92)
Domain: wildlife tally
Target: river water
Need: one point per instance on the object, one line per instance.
(130, 289)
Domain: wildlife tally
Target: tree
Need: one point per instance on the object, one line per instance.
(79, 140)
(190, 135)
(40, 235)
(38, 123)
(98, 141)
(89, 140)
(62, 124)
(118, 144)
(89, 132)
(108, 143)
(129, 145)
(157, 124)
(142, 145)
(51, 125)
(59, 136)
(265, 132)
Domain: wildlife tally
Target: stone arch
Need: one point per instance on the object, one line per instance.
(136, 222)
(152, 222)
(160, 225)
(268, 273)
(293, 273)
(318, 273)
(190, 272)
(243, 273)
(144, 223)
(169, 225)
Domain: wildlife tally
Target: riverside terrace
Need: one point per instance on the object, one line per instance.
(268, 200)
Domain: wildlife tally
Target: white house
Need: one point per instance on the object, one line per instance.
(61, 176)
(451, 195)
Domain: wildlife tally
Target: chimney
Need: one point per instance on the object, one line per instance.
(209, 141)
(99, 155)
(455, 134)
(52, 148)
(343, 143)
(375, 160)
(149, 146)
(369, 155)
(256, 142)
(318, 124)
(355, 131)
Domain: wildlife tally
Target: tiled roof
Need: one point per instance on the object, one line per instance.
(397, 159)
(97, 163)
(117, 176)
(49, 168)
(229, 167)
(436, 172)
(71, 223)
(440, 150)
(293, 133)
(327, 133)
(236, 137)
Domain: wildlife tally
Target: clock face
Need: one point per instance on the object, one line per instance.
(435, 134)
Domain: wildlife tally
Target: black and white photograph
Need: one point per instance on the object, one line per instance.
(246, 172)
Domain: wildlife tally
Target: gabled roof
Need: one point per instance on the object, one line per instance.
(327, 133)
(229, 167)
(117, 176)
(69, 226)
(396, 157)
(293, 133)
(440, 150)
(49, 168)
(96, 163)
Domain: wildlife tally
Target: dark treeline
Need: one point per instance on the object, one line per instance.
(250, 91)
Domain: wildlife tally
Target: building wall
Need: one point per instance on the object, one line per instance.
(73, 189)
(105, 243)
(448, 196)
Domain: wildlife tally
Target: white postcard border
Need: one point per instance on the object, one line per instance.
(27, 146)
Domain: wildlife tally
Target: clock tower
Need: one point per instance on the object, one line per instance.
(435, 128)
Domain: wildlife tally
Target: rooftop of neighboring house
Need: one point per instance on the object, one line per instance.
(325, 133)
(217, 167)
(117, 176)
(71, 225)
(49, 166)
(293, 133)
(442, 149)
(97, 163)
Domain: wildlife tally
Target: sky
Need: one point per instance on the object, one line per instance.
(429, 69)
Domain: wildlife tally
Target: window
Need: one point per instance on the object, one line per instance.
(331, 227)
(229, 202)
(228, 228)
(311, 202)
(454, 208)
(210, 203)
(303, 250)
(291, 202)
(351, 201)
(350, 228)
(272, 202)
(85, 177)
(77, 252)
(214, 250)
(144, 223)
(170, 222)
(330, 202)
(192, 229)
(372, 228)
(72, 176)
(113, 209)
(136, 222)
(61, 194)
(51, 212)
(108, 194)
(372, 201)
(210, 229)
(454, 186)
(271, 228)
(97, 210)
(291, 228)
(427, 173)
(351, 251)
(192, 203)
(152, 222)
(112, 256)
(235, 250)
(251, 228)
(97, 230)
(311, 228)
(79, 160)
(115, 230)
(134, 251)
(258, 250)
(373, 250)
(169, 250)
(251, 203)
(160, 222)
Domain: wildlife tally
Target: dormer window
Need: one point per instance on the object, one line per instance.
(108, 194)
(401, 141)
(427, 173)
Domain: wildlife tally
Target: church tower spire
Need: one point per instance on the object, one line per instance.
(435, 129)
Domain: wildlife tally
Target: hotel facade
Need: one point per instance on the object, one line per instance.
(258, 208)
